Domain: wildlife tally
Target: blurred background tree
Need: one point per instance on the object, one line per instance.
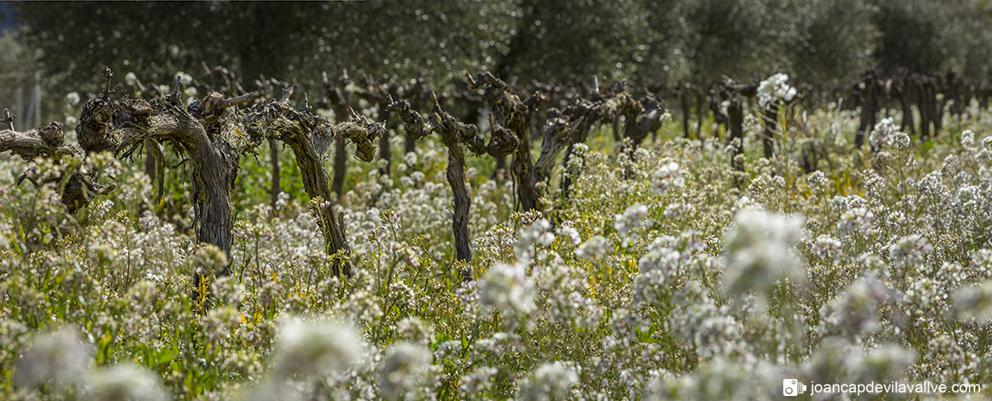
(551, 41)
(914, 35)
(834, 40)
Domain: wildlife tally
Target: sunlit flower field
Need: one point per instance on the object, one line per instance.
(658, 277)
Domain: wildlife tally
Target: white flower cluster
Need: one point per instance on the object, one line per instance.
(507, 288)
(885, 134)
(759, 251)
(666, 177)
(858, 309)
(827, 247)
(594, 247)
(909, 250)
(537, 233)
(130, 79)
(322, 348)
(630, 220)
(973, 302)
(775, 88)
(817, 180)
(184, 78)
(64, 358)
(405, 371)
(967, 139)
(856, 220)
(549, 381)
(72, 98)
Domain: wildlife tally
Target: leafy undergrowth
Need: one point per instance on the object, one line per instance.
(655, 278)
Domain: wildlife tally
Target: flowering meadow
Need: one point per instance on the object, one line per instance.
(664, 274)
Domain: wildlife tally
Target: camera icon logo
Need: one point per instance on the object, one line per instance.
(792, 387)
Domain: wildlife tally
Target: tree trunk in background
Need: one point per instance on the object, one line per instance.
(151, 168)
(771, 127)
(867, 91)
(340, 152)
(385, 151)
(340, 165)
(901, 86)
(274, 156)
(699, 113)
(735, 117)
(215, 140)
(683, 94)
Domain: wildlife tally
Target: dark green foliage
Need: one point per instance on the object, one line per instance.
(834, 40)
(913, 35)
(645, 42)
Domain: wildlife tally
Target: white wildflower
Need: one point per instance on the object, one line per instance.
(817, 180)
(827, 247)
(72, 98)
(62, 357)
(507, 288)
(593, 248)
(569, 232)
(320, 348)
(549, 381)
(631, 219)
(909, 250)
(885, 134)
(537, 233)
(759, 251)
(666, 177)
(404, 371)
(858, 309)
(775, 88)
(477, 383)
(677, 210)
(184, 78)
(857, 219)
(125, 382)
(967, 139)
(973, 302)
(210, 259)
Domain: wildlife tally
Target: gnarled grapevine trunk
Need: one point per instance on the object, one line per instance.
(510, 112)
(309, 137)
(48, 142)
(213, 137)
(867, 95)
(453, 134)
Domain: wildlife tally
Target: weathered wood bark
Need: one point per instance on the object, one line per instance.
(682, 93)
(866, 92)
(48, 142)
(382, 94)
(385, 150)
(340, 167)
(512, 113)
(276, 188)
(336, 98)
(644, 117)
(453, 135)
(308, 136)
(771, 127)
(214, 137)
(166, 120)
(902, 91)
(560, 131)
